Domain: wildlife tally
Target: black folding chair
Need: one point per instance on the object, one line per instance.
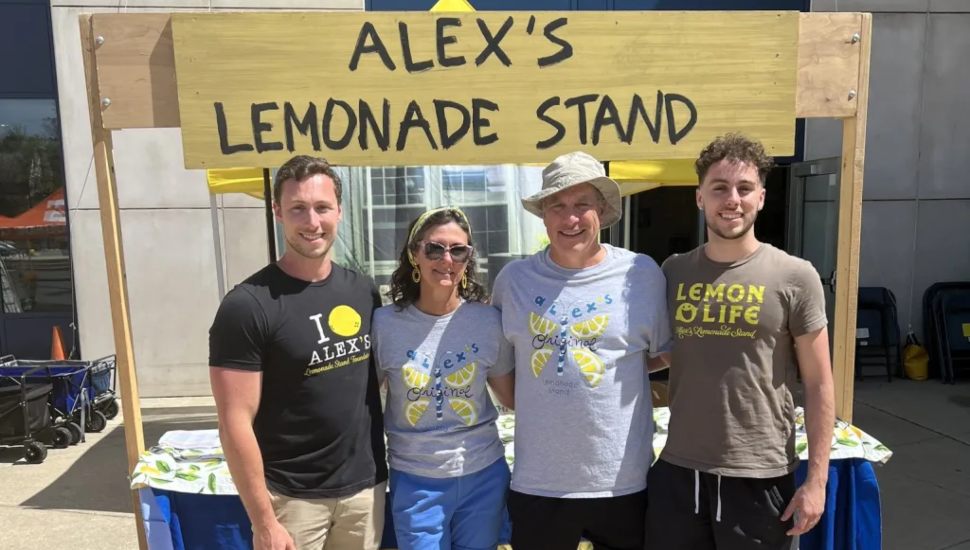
(954, 318)
(877, 331)
(931, 309)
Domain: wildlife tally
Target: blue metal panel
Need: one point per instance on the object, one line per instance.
(564, 5)
(28, 335)
(731, 5)
(26, 65)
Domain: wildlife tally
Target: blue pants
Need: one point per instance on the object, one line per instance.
(460, 513)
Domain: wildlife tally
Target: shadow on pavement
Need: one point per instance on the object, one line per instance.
(98, 480)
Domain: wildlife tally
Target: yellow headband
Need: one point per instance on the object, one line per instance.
(423, 218)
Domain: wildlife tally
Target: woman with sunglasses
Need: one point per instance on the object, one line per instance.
(436, 347)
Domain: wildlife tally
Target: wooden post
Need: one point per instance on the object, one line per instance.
(850, 224)
(115, 263)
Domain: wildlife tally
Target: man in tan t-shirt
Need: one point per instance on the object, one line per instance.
(747, 318)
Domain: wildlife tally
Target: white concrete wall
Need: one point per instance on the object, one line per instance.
(167, 230)
(916, 195)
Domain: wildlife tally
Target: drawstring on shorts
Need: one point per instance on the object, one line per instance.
(697, 495)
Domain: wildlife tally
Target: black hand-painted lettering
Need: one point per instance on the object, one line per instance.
(260, 127)
(638, 109)
(607, 115)
(327, 125)
(308, 124)
(382, 134)
(531, 25)
(565, 48)
(413, 118)
(442, 40)
(223, 129)
(492, 42)
(449, 139)
(672, 132)
(409, 63)
(580, 102)
(479, 122)
(368, 32)
(560, 129)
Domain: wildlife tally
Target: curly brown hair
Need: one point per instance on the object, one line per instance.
(301, 167)
(404, 291)
(736, 148)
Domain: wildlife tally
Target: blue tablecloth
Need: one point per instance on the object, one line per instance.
(851, 520)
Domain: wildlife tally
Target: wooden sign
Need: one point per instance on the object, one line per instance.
(421, 88)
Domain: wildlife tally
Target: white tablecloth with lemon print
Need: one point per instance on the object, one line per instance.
(204, 470)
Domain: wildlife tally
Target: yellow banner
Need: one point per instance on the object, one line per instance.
(385, 88)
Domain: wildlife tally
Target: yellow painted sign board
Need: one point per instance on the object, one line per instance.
(420, 88)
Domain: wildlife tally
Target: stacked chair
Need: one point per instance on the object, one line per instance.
(877, 334)
(946, 326)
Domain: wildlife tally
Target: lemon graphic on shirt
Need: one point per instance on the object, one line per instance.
(540, 325)
(462, 376)
(539, 359)
(414, 377)
(592, 328)
(415, 409)
(344, 321)
(464, 409)
(590, 366)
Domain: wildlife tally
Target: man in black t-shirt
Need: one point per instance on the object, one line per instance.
(294, 382)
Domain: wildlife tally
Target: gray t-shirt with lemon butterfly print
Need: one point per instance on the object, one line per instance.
(439, 417)
(581, 337)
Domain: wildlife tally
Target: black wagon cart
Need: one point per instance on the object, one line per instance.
(80, 389)
(25, 414)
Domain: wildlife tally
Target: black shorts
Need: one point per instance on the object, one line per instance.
(548, 523)
(686, 509)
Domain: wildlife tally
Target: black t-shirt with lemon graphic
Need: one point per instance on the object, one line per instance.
(319, 424)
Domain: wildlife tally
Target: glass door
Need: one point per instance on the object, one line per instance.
(813, 222)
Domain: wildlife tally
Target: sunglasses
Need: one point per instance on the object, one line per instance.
(436, 251)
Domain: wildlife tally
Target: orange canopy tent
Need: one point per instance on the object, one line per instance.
(45, 216)
(48, 213)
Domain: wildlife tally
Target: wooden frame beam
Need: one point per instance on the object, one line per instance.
(850, 229)
(114, 257)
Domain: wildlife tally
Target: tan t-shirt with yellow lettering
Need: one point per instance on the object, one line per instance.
(733, 359)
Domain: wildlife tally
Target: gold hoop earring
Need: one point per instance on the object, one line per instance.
(464, 279)
(416, 275)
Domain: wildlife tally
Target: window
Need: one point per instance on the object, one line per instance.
(35, 265)
(399, 185)
(472, 184)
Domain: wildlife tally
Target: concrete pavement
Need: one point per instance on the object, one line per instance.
(78, 498)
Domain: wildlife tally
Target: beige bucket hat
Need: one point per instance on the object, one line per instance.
(574, 169)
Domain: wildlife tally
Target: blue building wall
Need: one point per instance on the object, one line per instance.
(565, 5)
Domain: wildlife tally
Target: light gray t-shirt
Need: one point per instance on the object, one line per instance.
(583, 419)
(439, 417)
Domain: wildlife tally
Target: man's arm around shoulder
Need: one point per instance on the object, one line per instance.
(812, 350)
(237, 399)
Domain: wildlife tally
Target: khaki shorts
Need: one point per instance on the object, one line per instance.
(354, 521)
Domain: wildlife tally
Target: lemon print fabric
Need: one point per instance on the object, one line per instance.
(540, 325)
(590, 366)
(539, 359)
(415, 377)
(463, 376)
(415, 410)
(592, 328)
(344, 321)
(464, 409)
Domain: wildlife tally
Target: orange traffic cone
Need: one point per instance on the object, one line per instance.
(57, 344)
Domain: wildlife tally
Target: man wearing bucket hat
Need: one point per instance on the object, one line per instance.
(584, 318)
